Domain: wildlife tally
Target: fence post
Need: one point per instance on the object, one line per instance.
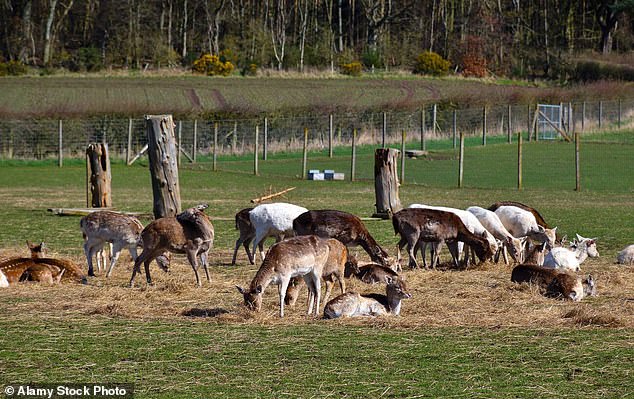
(330, 134)
(519, 161)
(461, 160)
(215, 155)
(354, 154)
(455, 127)
(484, 125)
(265, 150)
(583, 117)
(528, 121)
(61, 145)
(422, 129)
(577, 164)
(403, 136)
(384, 132)
(195, 145)
(433, 124)
(129, 150)
(600, 114)
(509, 126)
(305, 156)
(178, 150)
(255, 151)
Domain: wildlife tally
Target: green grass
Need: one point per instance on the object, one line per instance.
(193, 359)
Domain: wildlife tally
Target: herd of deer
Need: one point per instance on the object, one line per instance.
(316, 249)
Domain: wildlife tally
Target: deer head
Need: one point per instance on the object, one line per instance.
(252, 297)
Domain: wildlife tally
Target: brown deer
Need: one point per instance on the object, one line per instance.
(352, 304)
(554, 283)
(370, 273)
(116, 229)
(416, 225)
(297, 256)
(333, 271)
(43, 273)
(345, 227)
(190, 233)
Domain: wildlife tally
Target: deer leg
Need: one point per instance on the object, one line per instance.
(146, 264)
(137, 266)
(89, 250)
(455, 253)
(235, 251)
(116, 251)
(317, 283)
(505, 255)
(282, 291)
(436, 254)
(191, 257)
(258, 238)
(203, 260)
(329, 283)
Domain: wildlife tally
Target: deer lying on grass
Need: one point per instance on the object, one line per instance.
(190, 233)
(626, 256)
(416, 225)
(345, 227)
(40, 268)
(303, 256)
(352, 304)
(118, 230)
(370, 273)
(571, 259)
(333, 271)
(554, 283)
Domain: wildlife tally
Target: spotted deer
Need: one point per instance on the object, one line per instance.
(353, 304)
(555, 283)
(303, 256)
(190, 233)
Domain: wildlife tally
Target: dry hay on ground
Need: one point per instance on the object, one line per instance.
(484, 297)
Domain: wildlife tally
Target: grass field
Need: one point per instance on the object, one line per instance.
(71, 96)
(463, 334)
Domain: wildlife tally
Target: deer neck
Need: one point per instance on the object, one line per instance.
(581, 252)
(393, 301)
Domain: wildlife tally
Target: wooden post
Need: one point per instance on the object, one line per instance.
(353, 161)
(384, 132)
(265, 149)
(509, 126)
(178, 150)
(60, 160)
(129, 149)
(577, 164)
(403, 136)
(195, 145)
(455, 127)
(461, 160)
(570, 119)
(519, 161)
(386, 182)
(305, 156)
(528, 121)
(423, 145)
(331, 132)
(600, 114)
(99, 175)
(162, 153)
(434, 120)
(484, 126)
(215, 154)
(255, 151)
(88, 199)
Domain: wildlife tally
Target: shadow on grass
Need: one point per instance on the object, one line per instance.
(197, 312)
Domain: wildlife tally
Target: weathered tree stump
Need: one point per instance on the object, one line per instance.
(163, 158)
(386, 182)
(99, 177)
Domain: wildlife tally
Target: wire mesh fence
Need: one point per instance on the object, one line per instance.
(233, 141)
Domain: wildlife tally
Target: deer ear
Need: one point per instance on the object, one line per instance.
(388, 280)
(240, 289)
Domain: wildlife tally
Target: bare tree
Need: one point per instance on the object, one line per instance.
(279, 22)
(214, 17)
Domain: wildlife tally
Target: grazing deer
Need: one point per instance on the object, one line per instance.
(352, 304)
(115, 229)
(334, 270)
(416, 225)
(554, 283)
(303, 256)
(345, 227)
(190, 233)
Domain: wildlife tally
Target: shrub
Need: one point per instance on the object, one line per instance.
(430, 63)
(372, 59)
(351, 68)
(12, 68)
(589, 71)
(474, 66)
(212, 65)
(250, 70)
(89, 59)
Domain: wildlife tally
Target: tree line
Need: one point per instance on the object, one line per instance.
(511, 37)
